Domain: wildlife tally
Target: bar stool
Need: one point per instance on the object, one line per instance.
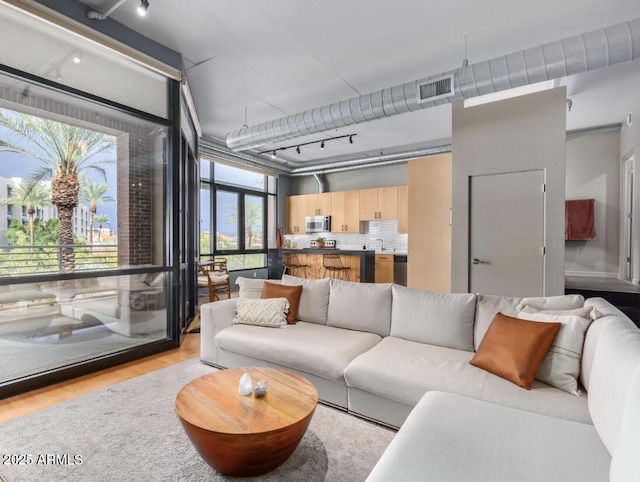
(333, 264)
(291, 262)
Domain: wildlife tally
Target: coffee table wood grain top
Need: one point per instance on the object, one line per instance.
(246, 435)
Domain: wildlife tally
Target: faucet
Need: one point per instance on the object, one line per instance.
(381, 243)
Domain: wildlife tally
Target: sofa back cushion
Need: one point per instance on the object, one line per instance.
(615, 363)
(488, 305)
(606, 310)
(360, 306)
(433, 318)
(314, 301)
(625, 463)
(252, 287)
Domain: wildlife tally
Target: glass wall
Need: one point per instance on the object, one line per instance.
(84, 269)
(240, 204)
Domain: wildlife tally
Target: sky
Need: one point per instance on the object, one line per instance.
(17, 165)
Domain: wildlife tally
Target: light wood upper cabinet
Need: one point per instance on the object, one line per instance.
(317, 204)
(384, 268)
(345, 212)
(379, 203)
(403, 209)
(295, 214)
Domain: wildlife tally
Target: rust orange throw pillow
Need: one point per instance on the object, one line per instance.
(514, 349)
(292, 293)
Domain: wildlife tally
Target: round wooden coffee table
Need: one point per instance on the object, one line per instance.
(246, 435)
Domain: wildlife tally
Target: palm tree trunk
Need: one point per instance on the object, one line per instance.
(67, 253)
(91, 214)
(31, 234)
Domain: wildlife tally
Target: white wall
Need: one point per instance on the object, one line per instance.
(630, 145)
(593, 172)
(518, 134)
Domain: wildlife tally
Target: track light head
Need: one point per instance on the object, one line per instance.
(273, 154)
(298, 149)
(322, 145)
(351, 139)
(143, 7)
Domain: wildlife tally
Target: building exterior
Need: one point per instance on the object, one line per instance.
(9, 212)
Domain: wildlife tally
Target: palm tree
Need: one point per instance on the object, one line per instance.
(252, 221)
(31, 196)
(64, 151)
(93, 193)
(100, 219)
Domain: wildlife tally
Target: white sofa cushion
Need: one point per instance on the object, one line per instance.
(360, 306)
(452, 438)
(403, 371)
(615, 362)
(625, 465)
(434, 318)
(320, 350)
(314, 301)
(561, 366)
(488, 305)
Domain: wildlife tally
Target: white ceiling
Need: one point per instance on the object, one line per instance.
(279, 57)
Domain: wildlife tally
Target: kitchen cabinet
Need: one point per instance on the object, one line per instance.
(403, 209)
(379, 203)
(295, 215)
(384, 268)
(317, 204)
(345, 212)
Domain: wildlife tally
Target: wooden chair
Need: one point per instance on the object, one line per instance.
(291, 262)
(333, 264)
(217, 277)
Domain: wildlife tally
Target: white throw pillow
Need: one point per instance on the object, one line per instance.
(588, 312)
(561, 367)
(252, 287)
(262, 312)
(314, 301)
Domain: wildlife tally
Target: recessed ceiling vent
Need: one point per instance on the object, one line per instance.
(436, 89)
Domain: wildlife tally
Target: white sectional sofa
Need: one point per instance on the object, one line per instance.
(401, 357)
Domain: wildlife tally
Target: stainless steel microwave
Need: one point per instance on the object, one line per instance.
(317, 224)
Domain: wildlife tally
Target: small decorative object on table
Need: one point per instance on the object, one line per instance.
(245, 385)
(260, 388)
(320, 242)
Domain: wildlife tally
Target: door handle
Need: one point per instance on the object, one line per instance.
(477, 261)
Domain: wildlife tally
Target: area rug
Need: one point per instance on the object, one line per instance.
(130, 431)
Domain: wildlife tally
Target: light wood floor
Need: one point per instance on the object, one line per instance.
(30, 402)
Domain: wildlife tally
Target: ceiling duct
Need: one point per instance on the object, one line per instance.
(598, 49)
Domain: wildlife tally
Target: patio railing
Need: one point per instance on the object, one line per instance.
(23, 260)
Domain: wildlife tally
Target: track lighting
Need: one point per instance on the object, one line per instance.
(143, 7)
(272, 152)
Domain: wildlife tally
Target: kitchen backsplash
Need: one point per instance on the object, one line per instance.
(387, 231)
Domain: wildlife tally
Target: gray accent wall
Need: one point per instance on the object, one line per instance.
(390, 175)
(513, 135)
(593, 172)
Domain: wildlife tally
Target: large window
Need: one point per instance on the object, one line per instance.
(84, 270)
(239, 204)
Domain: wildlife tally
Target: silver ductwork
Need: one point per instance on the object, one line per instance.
(320, 182)
(581, 53)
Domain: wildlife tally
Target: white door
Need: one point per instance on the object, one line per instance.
(506, 234)
(628, 219)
